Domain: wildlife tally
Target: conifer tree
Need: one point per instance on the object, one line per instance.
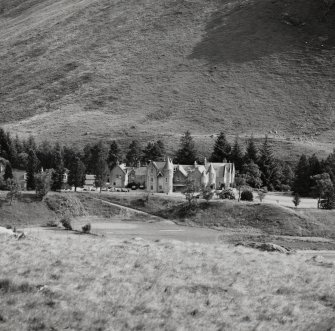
(4, 145)
(237, 155)
(87, 158)
(187, 153)
(153, 151)
(58, 166)
(69, 156)
(301, 184)
(18, 144)
(287, 175)
(8, 172)
(76, 173)
(30, 143)
(314, 165)
(268, 165)
(134, 154)
(161, 147)
(101, 168)
(32, 167)
(221, 149)
(45, 155)
(251, 153)
(114, 155)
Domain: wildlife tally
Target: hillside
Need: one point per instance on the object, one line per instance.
(88, 69)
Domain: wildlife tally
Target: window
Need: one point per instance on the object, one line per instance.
(152, 188)
(166, 180)
(160, 187)
(151, 179)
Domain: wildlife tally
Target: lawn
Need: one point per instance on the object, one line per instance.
(58, 280)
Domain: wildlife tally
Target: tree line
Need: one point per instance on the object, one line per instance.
(257, 166)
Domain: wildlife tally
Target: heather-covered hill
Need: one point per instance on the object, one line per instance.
(87, 69)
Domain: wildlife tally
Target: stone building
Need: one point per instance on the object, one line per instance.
(166, 177)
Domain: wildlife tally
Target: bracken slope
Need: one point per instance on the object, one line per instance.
(89, 69)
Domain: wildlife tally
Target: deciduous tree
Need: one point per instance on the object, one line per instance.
(252, 174)
(323, 186)
(43, 181)
(14, 190)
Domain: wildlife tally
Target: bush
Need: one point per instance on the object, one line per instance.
(261, 194)
(227, 194)
(328, 203)
(296, 200)
(43, 183)
(86, 228)
(247, 196)
(207, 193)
(66, 222)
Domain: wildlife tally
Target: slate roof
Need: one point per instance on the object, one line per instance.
(159, 165)
(181, 169)
(140, 171)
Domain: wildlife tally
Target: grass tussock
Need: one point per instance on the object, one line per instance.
(96, 284)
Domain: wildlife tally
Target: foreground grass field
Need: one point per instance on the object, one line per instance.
(63, 281)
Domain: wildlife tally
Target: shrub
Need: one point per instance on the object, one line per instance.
(261, 194)
(14, 190)
(247, 196)
(66, 222)
(207, 193)
(86, 228)
(43, 183)
(227, 194)
(328, 203)
(296, 200)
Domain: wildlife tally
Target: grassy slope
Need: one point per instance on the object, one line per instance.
(141, 69)
(84, 283)
(268, 218)
(25, 212)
